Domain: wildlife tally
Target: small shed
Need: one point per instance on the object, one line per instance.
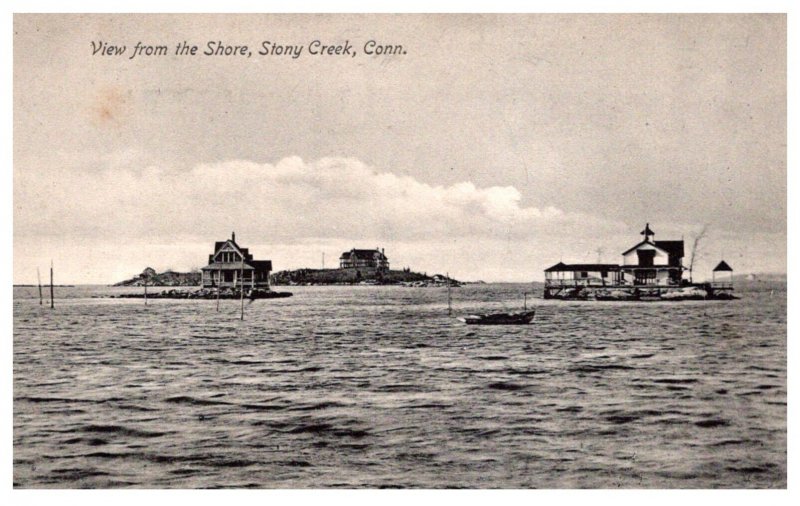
(722, 273)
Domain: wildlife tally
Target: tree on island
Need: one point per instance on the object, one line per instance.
(696, 250)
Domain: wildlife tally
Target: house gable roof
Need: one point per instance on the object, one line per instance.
(231, 245)
(362, 254)
(555, 268)
(220, 245)
(646, 242)
(723, 266)
(261, 265)
(674, 248)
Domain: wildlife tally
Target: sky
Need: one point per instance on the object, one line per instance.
(491, 148)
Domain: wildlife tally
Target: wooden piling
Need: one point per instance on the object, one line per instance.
(52, 304)
(449, 298)
(39, 279)
(219, 282)
(241, 289)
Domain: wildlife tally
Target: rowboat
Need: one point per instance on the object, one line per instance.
(516, 318)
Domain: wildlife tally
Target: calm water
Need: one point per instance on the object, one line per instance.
(377, 387)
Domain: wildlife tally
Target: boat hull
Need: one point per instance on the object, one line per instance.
(521, 318)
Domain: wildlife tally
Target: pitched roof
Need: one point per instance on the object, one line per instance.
(220, 244)
(261, 265)
(643, 242)
(723, 266)
(674, 248)
(364, 254)
(562, 267)
(244, 251)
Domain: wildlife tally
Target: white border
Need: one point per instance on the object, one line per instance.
(670, 497)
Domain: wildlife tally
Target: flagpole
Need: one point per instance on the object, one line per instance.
(241, 289)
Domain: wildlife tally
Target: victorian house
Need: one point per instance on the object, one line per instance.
(369, 258)
(231, 266)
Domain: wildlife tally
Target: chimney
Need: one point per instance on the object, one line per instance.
(233, 236)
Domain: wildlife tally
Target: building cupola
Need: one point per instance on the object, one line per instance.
(647, 233)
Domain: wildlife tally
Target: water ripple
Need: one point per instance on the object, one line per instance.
(376, 387)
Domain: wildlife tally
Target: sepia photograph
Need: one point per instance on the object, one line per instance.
(414, 251)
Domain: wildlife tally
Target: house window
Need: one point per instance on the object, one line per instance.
(584, 274)
(646, 257)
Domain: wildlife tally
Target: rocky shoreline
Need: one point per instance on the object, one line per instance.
(150, 277)
(617, 293)
(358, 276)
(206, 293)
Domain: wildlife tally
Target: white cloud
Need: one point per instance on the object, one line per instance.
(108, 218)
(286, 201)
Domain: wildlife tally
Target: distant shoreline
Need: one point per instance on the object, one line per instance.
(738, 278)
(46, 286)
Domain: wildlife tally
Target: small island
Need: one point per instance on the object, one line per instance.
(359, 277)
(360, 267)
(651, 270)
(231, 273)
(231, 266)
